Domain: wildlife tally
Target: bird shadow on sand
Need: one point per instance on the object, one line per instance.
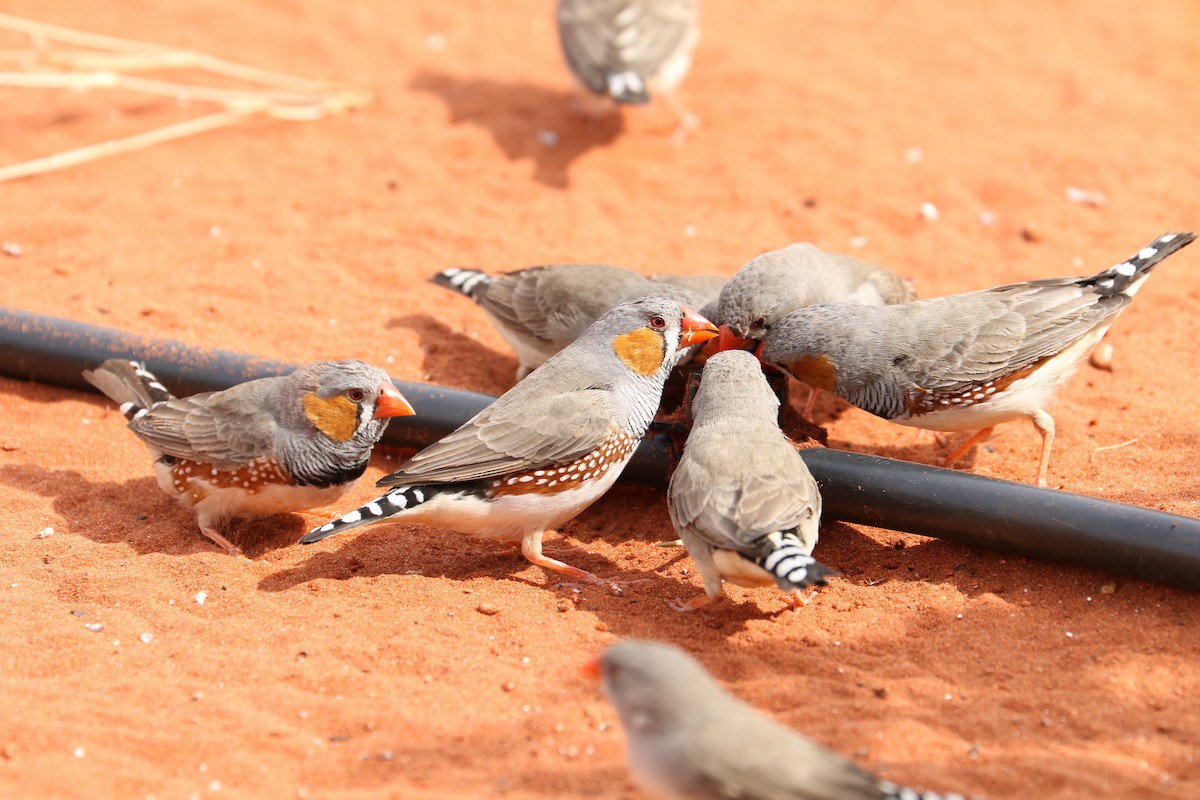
(402, 548)
(527, 121)
(445, 351)
(136, 512)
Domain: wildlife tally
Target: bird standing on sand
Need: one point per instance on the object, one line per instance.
(741, 498)
(550, 446)
(541, 310)
(689, 739)
(628, 50)
(267, 446)
(964, 362)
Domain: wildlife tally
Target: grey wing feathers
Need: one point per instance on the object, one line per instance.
(596, 43)
(1013, 327)
(731, 506)
(773, 762)
(222, 431)
(510, 436)
(550, 303)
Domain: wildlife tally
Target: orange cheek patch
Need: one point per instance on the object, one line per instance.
(336, 416)
(816, 371)
(640, 350)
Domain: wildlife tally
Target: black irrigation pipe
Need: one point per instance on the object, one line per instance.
(885, 493)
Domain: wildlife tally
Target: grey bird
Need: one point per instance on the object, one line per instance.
(549, 447)
(540, 310)
(628, 50)
(779, 282)
(687, 738)
(966, 362)
(266, 446)
(741, 498)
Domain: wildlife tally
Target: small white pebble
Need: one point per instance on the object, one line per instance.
(929, 211)
(11, 249)
(80, 752)
(689, 230)
(200, 597)
(947, 696)
(435, 42)
(1070, 635)
(44, 532)
(390, 359)
(1086, 197)
(914, 155)
(333, 322)
(547, 138)
(203, 767)
(216, 231)
(987, 218)
(837, 644)
(147, 638)
(215, 786)
(858, 242)
(94, 627)
(1102, 356)
(958, 616)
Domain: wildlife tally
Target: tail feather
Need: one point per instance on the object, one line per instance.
(1127, 277)
(128, 384)
(463, 281)
(396, 501)
(893, 792)
(788, 559)
(627, 87)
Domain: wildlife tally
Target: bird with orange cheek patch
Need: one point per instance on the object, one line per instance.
(966, 362)
(549, 447)
(267, 446)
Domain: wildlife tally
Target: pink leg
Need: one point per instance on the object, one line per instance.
(965, 448)
(1045, 425)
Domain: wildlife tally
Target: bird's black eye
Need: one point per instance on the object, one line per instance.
(657, 322)
(761, 322)
(355, 395)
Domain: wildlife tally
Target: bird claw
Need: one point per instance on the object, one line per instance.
(686, 607)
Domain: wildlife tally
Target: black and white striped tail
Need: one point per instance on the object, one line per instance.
(1127, 276)
(893, 792)
(396, 501)
(128, 384)
(627, 87)
(463, 281)
(787, 558)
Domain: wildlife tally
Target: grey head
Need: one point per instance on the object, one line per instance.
(732, 386)
(776, 283)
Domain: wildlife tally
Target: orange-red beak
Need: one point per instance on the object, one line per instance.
(696, 329)
(727, 340)
(592, 668)
(391, 403)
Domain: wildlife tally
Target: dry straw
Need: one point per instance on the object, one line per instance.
(76, 61)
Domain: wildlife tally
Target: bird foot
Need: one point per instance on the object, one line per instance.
(220, 541)
(689, 606)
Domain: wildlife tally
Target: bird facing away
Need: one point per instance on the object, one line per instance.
(964, 362)
(741, 497)
(689, 739)
(541, 310)
(549, 447)
(267, 446)
(779, 282)
(625, 51)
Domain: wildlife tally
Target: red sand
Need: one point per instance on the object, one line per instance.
(369, 665)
